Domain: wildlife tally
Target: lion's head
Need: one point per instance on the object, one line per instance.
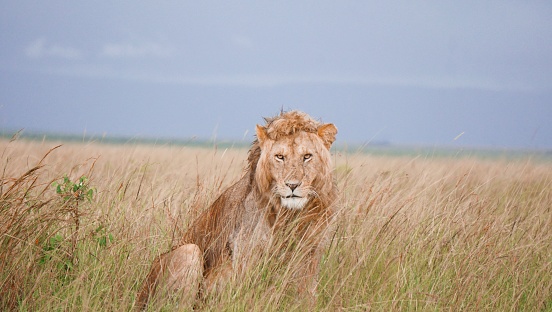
(293, 162)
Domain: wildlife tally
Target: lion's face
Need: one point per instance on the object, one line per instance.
(293, 169)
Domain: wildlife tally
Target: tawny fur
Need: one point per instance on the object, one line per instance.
(247, 217)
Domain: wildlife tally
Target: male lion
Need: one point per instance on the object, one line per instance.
(288, 188)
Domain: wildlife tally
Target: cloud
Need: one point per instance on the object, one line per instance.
(275, 80)
(40, 49)
(272, 80)
(128, 50)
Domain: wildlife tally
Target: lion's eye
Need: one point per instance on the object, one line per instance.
(279, 156)
(307, 156)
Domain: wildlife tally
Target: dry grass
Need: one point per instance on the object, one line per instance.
(414, 233)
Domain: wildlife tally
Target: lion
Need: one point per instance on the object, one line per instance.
(288, 187)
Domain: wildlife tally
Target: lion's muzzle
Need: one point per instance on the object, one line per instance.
(293, 197)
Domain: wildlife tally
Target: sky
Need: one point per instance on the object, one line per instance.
(431, 73)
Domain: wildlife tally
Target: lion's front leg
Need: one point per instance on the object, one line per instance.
(307, 276)
(176, 273)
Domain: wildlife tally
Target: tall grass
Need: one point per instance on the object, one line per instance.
(413, 233)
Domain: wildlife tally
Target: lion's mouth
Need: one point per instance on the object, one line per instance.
(293, 196)
(294, 202)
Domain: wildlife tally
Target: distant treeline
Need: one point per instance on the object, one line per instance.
(105, 139)
(379, 148)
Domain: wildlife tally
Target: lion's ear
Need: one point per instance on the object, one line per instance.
(262, 136)
(327, 132)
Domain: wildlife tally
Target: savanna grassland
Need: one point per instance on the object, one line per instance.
(80, 224)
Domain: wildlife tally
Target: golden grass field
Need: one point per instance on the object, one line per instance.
(415, 233)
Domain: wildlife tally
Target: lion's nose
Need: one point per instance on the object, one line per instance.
(293, 185)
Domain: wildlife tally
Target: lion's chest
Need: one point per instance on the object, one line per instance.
(251, 238)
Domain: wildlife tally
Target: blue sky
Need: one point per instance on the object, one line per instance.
(459, 73)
